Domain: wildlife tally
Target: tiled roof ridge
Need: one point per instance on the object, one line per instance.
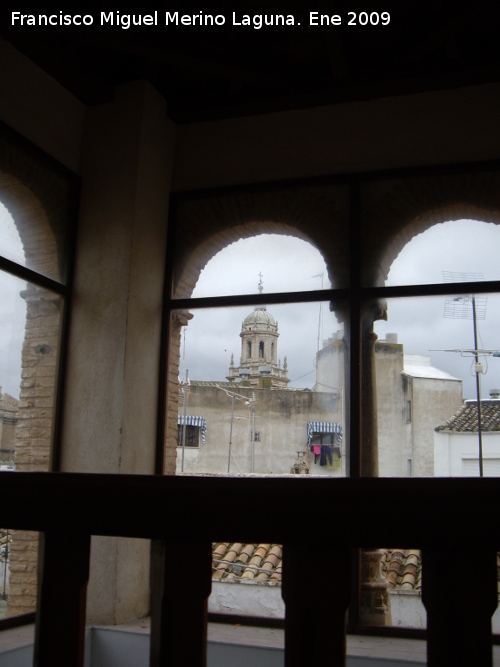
(247, 562)
(465, 419)
(402, 568)
(262, 563)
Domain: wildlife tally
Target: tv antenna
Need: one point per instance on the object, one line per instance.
(469, 307)
(320, 318)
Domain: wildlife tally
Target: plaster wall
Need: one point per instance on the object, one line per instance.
(57, 126)
(330, 366)
(434, 401)
(407, 608)
(114, 348)
(246, 599)
(391, 438)
(374, 134)
(280, 417)
(452, 448)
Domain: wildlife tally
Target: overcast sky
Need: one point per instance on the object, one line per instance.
(288, 264)
(12, 308)
(465, 246)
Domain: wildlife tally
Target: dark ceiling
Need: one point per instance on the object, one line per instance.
(216, 72)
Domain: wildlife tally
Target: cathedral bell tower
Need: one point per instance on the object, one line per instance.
(259, 365)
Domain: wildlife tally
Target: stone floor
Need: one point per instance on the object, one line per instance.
(392, 649)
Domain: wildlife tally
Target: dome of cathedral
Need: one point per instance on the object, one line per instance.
(260, 316)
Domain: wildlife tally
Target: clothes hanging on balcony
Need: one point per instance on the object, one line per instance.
(326, 455)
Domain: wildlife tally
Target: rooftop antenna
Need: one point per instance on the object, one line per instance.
(319, 275)
(261, 284)
(469, 306)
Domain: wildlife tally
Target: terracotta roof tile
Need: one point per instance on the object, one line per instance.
(402, 569)
(247, 562)
(465, 420)
(262, 564)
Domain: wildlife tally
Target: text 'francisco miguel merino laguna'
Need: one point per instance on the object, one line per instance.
(255, 21)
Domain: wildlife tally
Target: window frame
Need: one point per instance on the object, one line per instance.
(354, 297)
(45, 165)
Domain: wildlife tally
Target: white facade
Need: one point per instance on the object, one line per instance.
(412, 398)
(260, 431)
(430, 396)
(456, 442)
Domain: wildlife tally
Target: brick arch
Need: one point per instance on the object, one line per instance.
(446, 214)
(207, 250)
(38, 196)
(31, 221)
(207, 225)
(395, 212)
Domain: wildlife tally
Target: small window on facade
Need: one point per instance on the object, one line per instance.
(408, 411)
(256, 436)
(261, 349)
(249, 350)
(192, 436)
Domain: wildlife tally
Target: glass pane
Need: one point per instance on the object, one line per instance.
(282, 234)
(29, 354)
(11, 246)
(260, 391)
(444, 253)
(427, 386)
(233, 270)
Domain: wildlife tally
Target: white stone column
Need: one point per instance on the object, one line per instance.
(110, 409)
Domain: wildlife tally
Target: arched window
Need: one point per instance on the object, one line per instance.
(369, 220)
(231, 405)
(435, 338)
(36, 204)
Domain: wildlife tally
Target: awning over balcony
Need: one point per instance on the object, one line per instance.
(192, 420)
(323, 427)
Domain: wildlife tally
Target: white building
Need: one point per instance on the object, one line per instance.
(412, 398)
(456, 441)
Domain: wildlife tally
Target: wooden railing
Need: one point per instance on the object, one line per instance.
(454, 522)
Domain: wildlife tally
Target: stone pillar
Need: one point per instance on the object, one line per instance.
(178, 320)
(113, 370)
(374, 606)
(373, 311)
(374, 602)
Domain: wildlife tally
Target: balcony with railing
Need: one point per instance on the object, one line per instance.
(452, 521)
